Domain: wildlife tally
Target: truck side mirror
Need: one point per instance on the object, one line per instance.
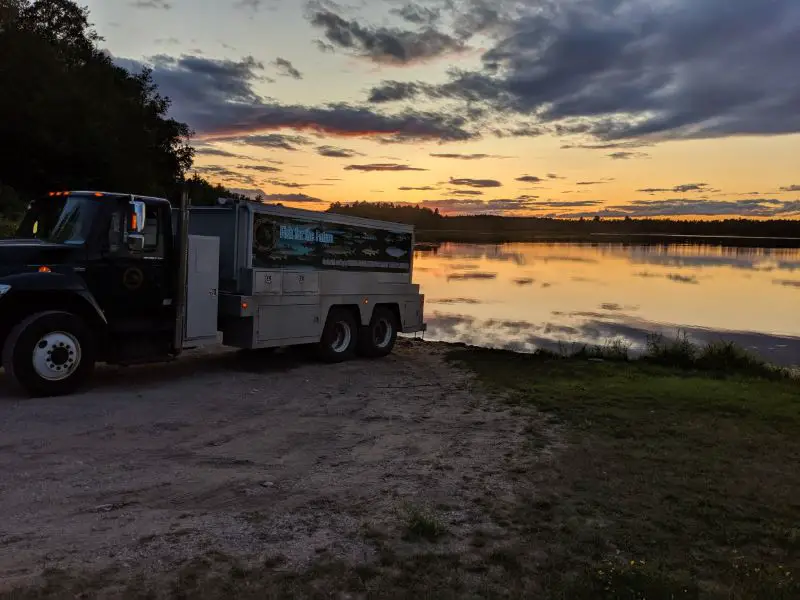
(135, 242)
(138, 217)
(134, 235)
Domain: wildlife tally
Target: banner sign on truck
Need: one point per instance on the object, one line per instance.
(288, 242)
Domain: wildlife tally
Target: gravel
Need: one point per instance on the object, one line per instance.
(252, 456)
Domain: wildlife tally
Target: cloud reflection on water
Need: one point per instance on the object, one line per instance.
(527, 296)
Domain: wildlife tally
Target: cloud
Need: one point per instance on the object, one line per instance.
(417, 14)
(288, 184)
(221, 173)
(680, 207)
(286, 68)
(590, 182)
(787, 282)
(289, 198)
(217, 98)
(154, 4)
(382, 167)
(211, 151)
(499, 206)
(385, 45)
(424, 188)
(682, 278)
(554, 176)
(336, 152)
(466, 192)
(791, 188)
(678, 189)
(269, 140)
(259, 168)
(478, 183)
(638, 69)
(529, 179)
(627, 155)
(458, 156)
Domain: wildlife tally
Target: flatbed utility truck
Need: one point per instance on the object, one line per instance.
(126, 279)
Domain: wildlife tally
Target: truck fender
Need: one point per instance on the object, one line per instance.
(31, 290)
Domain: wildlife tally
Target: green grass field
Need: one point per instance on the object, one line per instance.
(673, 484)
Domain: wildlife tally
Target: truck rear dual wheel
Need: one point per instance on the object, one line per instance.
(378, 338)
(49, 354)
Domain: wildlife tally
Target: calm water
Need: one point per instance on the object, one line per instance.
(525, 296)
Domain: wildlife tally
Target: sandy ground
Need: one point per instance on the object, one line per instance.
(253, 457)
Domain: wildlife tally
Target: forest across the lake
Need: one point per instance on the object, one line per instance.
(431, 226)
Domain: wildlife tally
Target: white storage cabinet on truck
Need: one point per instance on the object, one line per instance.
(289, 276)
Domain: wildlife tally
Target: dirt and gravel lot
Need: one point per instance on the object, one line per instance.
(252, 457)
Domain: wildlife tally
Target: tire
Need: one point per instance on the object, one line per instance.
(378, 338)
(59, 369)
(339, 337)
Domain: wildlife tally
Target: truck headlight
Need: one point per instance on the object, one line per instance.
(4, 288)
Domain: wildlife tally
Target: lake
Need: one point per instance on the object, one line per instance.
(525, 296)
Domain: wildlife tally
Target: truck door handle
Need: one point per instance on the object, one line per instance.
(212, 292)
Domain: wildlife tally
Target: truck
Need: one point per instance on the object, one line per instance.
(102, 277)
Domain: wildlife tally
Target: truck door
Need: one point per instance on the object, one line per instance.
(134, 287)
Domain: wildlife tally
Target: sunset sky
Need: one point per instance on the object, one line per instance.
(545, 107)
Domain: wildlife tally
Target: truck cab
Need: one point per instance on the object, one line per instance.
(89, 276)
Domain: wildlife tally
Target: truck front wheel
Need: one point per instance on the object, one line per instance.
(49, 354)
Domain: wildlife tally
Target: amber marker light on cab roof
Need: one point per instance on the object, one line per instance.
(44, 269)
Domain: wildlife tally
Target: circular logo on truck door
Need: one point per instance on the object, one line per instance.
(132, 278)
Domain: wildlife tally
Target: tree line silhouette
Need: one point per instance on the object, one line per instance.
(433, 226)
(72, 119)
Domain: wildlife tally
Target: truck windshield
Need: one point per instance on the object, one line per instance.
(59, 220)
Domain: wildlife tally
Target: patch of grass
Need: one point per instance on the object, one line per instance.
(719, 356)
(689, 475)
(423, 525)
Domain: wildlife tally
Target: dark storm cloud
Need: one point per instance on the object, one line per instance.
(478, 183)
(216, 97)
(637, 69)
(336, 152)
(385, 44)
(627, 155)
(287, 69)
(382, 167)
